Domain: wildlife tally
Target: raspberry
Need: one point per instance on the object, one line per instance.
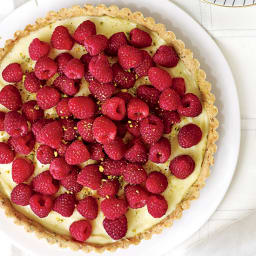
(62, 59)
(45, 68)
(104, 130)
(125, 96)
(45, 154)
(22, 169)
(189, 135)
(88, 76)
(156, 182)
(96, 151)
(157, 206)
(114, 108)
(23, 144)
(31, 82)
(62, 108)
(133, 128)
(66, 85)
(12, 73)
(178, 85)
(146, 64)
(38, 49)
(2, 116)
(166, 56)
(113, 168)
(100, 68)
(41, 205)
(148, 94)
(15, 124)
(134, 173)
(101, 91)
(70, 183)
(95, 44)
(38, 125)
(77, 153)
(109, 188)
(169, 100)
(136, 196)
(69, 129)
(84, 128)
(169, 119)
(160, 151)
(90, 176)
(86, 58)
(47, 97)
(59, 169)
(190, 105)
(6, 154)
(123, 79)
(88, 207)
(137, 109)
(117, 228)
(21, 194)
(85, 29)
(80, 230)
(31, 111)
(61, 39)
(182, 166)
(64, 204)
(45, 184)
(129, 57)
(140, 38)
(121, 128)
(151, 129)
(159, 78)
(115, 149)
(82, 107)
(10, 97)
(74, 69)
(113, 208)
(62, 148)
(137, 153)
(114, 42)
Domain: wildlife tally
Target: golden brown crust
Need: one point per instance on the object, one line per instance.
(208, 103)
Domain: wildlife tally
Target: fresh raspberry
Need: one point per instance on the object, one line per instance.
(38, 49)
(96, 150)
(38, 126)
(6, 153)
(86, 58)
(140, 38)
(114, 42)
(137, 109)
(41, 205)
(61, 39)
(74, 69)
(62, 108)
(95, 44)
(104, 130)
(45, 154)
(129, 57)
(70, 183)
(10, 97)
(90, 176)
(100, 68)
(88, 207)
(136, 196)
(77, 153)
(85, 29)
(45, 68)
(178, 85)
(66, 85)
(2, 116)
(113, 208)
(166, 56)
(137, 152)
(133, 128)
(148, 94)
(84, 128)
(160, 151)
(31, 82)
(169, 119)
(62, 148)
(82, 107)
(15, 124)
(80, 230)
(88, 76)
(156, 182)
(169, 100)
(114, 108)
(113, 168)
(21, 194)
(121, 128)
(22, 169)
(31, 111)
(157, 206)
(47, 97)
(190, 105)
(101, 91)
(134, 173)
(109, 188)
(122, 78)
(159, 78)
(68, 126)
(62, 59)
(64, 204)
(146, 64)
(117, 228)
(189, 135)
(151, 129)
(59, 169)
(12, 73)
(115, 149)
(126, 96)
(51, 134)
(45, 184)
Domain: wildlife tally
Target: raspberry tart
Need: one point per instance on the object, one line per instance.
(108, 128)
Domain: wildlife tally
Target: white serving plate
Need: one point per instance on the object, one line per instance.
(232, 3)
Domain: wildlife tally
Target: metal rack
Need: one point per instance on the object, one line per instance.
(232, 3)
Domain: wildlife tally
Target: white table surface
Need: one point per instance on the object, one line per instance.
(234, 30)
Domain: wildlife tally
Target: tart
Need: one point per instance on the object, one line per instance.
(108, 128)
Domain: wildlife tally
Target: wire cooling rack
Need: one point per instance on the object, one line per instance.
(232, 3)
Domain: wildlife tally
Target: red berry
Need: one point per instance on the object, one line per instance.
(114, 108)
(133, 128)
(45, 154)
(134, 174)
(169, 100)
(169, 119)
(86, 58)
(160, 151)
(38, 49)
(2, 116)
(96, 151)
(68, 126)
(31, 82)
(70, 182)
(59, 169)
(6, 153)
(136, 196)
(31, 111)
(156, 182)
(62, 148)
(159, 78)
(66, 85)
(21, 194)
(157, 206)
(12, 73)
(45, 68)
(148, 94)
(41, 205)
(10, 97)
(88, 207)
(47, 97)
(88, 76)
(61, 39)
(121, 128)
(113, 168)
(190, 105)
(80, 230)
(62, 59)
(109, 188)
(117, 228)
(101, 91)
(74, 69)
(189, 135)
(113, 208)
(95, 44)
(84, 128)
(38, 125)
(140, 38)
(62, 108)
(178, 85)
(166, 56)
(114, 42)
(137, 152)
(115, 149)
(64, 204)
(22, 169)
(137, 109)
(85, 29)
(146, 64)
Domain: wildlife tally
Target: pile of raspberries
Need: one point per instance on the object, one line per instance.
(94, 127)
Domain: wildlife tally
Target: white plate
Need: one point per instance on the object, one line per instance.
(219, 74)
(232, 3)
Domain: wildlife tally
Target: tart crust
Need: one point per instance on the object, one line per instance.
(208, 99)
